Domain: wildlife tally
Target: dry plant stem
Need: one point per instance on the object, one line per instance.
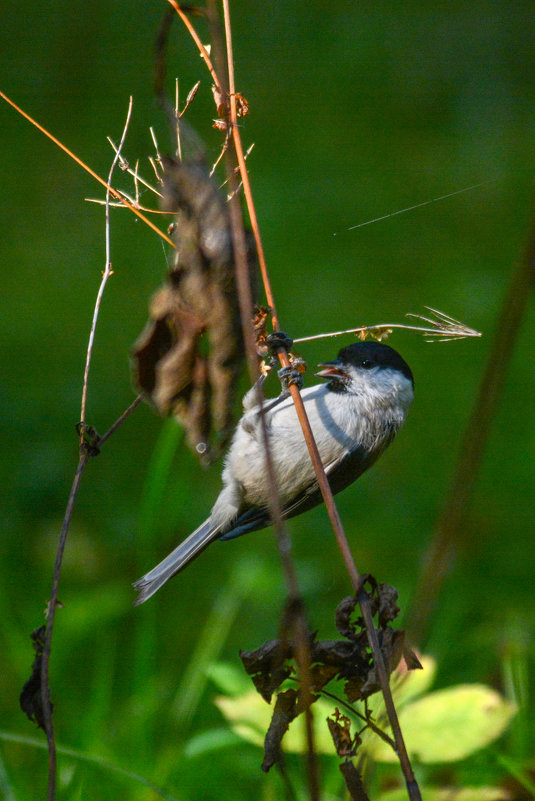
(45, 690)
(297, 615)
(371, 328)
(51, 611)
(323, 483)
(450, 533)
(83, 458)
(105, 275)
(202, 50)
(113, 192)
(120, 420)
(354, 784)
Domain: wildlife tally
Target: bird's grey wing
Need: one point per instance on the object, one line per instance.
(176, 561)
(341, 472)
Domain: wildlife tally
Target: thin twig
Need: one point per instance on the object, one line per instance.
(177, 124)
(100, 202)
(450, 533)
(323, 483)
(106, 273)
(202, 49)
(51, 611)
(444, 328)
(82, 462)
(135, 175)
(120, 420)
(113, 192)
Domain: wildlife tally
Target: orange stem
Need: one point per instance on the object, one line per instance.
(195, 36)
(114, 192)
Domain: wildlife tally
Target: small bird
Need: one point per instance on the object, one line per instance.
(354, 417)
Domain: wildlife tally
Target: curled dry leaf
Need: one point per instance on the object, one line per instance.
(242, 105)
(287, 708)
(340, 729)
(260, 319)
(348, 660)
(30, 697)
(189, 356)
(267, 666)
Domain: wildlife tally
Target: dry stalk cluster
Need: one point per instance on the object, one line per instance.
(272, 668)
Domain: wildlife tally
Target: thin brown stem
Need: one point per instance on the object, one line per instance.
(120, 420)
(323, 483)
(84, 454)
(107, 272)
(450, 533)
(194, 35)
(51, 611)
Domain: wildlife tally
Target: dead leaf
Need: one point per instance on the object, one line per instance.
(242, 105)
(30, 697)
(188, 358)
(286, 710)
(340, 729)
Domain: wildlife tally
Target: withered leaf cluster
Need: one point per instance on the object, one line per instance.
(30, 697)
(348, 659)
(189, 356)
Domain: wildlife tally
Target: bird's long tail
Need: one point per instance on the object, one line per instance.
(176, 561)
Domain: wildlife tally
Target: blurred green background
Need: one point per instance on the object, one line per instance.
(357, 110)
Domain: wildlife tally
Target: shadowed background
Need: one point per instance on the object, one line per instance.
(356, 112)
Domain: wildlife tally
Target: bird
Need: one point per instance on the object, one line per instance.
(354, 416)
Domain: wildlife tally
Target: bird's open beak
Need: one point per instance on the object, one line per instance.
(332, 370)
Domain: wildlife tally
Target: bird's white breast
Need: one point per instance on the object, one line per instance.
(336, 423)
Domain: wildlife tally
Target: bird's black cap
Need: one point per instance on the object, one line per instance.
(360, 354)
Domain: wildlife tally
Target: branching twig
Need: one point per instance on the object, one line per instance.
(107, 270)
(443, 328)
(120, 420)
(451, 528)
(51, 610)
(113, 192)
(84, 454)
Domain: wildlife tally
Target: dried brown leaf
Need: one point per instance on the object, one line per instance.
(340, 729)
(286, 710)
(196, 310)
(353, 781)
(190, 98)
(266, 665)
(242, 105)
(30, 698)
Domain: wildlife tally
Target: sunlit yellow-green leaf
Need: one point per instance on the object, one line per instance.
(249, 716)
(405, 687)
(449, 725)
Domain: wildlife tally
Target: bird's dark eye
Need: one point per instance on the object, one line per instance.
(367, 363)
